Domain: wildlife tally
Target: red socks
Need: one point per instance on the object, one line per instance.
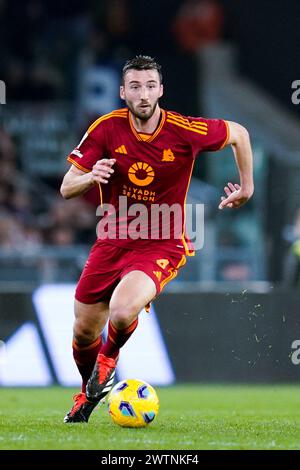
(85, 358)
(116, 339)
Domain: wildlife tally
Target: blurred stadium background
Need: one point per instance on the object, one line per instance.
(234, 308)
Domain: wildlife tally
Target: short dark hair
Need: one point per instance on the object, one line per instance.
(142, 62)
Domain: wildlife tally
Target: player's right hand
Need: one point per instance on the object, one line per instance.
(102, 170)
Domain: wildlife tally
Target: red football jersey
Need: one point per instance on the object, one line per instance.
(150, 170)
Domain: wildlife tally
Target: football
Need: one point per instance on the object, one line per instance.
(133, 403)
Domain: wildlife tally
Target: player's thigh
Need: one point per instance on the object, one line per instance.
(90, 319)
(135, 290)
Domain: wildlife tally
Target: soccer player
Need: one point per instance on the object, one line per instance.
(141, 154)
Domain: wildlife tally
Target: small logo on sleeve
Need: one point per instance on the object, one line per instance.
(77, 153)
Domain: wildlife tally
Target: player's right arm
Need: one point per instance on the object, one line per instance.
(89, 165)
(77, 182)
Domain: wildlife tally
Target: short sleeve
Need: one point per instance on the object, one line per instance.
(91, 148)
(208, 135)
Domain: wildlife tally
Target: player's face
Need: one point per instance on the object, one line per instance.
(141, 92)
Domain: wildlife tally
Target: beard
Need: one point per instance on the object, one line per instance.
(140, 113)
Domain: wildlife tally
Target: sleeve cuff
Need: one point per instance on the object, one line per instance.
(227, 135)
(80, 167)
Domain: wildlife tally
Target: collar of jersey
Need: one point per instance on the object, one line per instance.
(151, 136)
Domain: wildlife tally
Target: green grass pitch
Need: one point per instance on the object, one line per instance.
(191, 417)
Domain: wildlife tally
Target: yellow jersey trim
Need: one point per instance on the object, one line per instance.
(117, 113)
(227, 135)
(151, 137)
(199, 124)
(82, 168)
(188, 128)
(188, 252)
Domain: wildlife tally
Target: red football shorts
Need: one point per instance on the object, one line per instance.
(107, 264)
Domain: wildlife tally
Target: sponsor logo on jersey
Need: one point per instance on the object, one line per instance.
(141, 174)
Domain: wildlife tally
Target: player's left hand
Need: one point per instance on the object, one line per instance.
(236, 197)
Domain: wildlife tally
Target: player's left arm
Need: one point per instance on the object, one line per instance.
(238, 194)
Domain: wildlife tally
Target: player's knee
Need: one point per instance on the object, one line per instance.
(122, 315)
(83, 334)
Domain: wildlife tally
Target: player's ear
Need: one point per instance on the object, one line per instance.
(161, 90)
(122, 93)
